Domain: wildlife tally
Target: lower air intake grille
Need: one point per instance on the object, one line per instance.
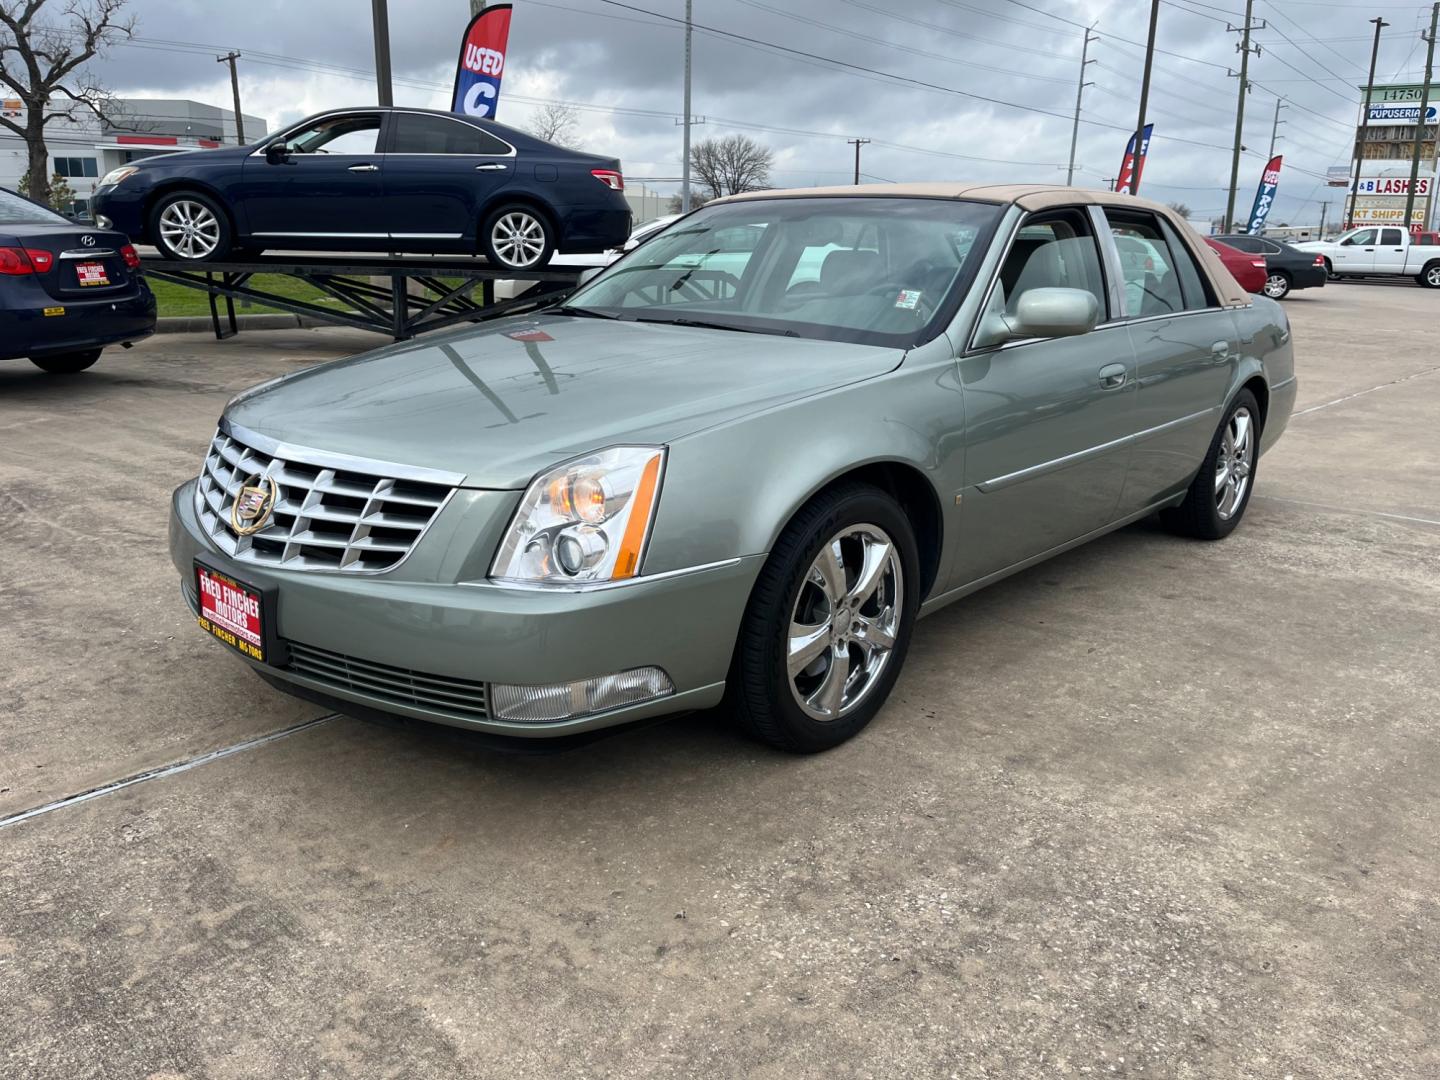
(399, 686)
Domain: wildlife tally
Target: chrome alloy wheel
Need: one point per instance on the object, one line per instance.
(1235, 463)
(1432, 276)
(1276, 286)
(518, 238)
(846, 617)
(189, 229)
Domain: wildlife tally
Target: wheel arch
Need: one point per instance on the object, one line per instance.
(1257, 385)
(187, 183)
(519, 197)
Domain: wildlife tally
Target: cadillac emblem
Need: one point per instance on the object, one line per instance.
(251, 511)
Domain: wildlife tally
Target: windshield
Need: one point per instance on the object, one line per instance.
(17, 211)
(876, 271)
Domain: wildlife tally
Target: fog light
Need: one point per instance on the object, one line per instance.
(563, 701)
(102, 222)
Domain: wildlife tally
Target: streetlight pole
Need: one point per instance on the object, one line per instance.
(230, 58)
(1144, 100)
(1080, 93)
(1245, 51)
(685, 168)
(381, 16)
(1420, 120)
(1380, 24)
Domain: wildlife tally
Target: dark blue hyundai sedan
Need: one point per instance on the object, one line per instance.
(374, 179)
(66, 291)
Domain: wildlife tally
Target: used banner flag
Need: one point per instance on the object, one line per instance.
(482, 63)
(1265, 195)
(1133, 165)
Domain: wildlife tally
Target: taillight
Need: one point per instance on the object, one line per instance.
(131, 256)
(1319, 260)
(14, 262)
(611, 178)
(1260, 263)
(41, 260)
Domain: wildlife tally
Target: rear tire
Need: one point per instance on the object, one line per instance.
(66, 363)
(1221, 489)
(189, 227)
(1429, 278)
(1277, 285)
(517, 237)
(828, 623)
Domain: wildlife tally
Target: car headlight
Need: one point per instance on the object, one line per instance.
(584, 521)
(114, 176)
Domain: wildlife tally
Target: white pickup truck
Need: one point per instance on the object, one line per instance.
(1379, 251)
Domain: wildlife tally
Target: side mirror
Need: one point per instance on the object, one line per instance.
(277, 153)
(1043, 313)
(590, 274)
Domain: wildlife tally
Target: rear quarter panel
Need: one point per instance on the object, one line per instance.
(1267, 350)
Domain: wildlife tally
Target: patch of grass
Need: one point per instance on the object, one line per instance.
(175, 299)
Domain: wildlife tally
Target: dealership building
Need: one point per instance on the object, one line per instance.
(84, 149)
(1383, 147)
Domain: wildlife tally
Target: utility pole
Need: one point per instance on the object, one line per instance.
(1079, 93)
(381, 16)
(1144, 99)
(857, 143)
(685, 153)
(230, 58)
(1275, 127)
(1380, 24)
(1324, 209)
(476, 7)
(1420, 120)
(1245, 50)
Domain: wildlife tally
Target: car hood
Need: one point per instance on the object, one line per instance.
(502, 403)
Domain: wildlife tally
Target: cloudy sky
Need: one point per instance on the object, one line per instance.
(1000, 79)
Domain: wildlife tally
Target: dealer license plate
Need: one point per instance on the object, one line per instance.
(233, 611)
(91, 273)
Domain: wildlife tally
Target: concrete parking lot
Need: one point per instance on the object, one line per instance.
(1156, 808)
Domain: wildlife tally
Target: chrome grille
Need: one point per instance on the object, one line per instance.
(398, 686)
(324, 518)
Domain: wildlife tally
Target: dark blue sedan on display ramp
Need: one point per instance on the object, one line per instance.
(374, 179)
(66, 291)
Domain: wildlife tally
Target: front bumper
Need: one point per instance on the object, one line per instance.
(685, 624)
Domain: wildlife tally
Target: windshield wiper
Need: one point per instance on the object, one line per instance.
(704, 325)
(583, 312)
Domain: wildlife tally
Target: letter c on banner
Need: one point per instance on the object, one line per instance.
(473, 105)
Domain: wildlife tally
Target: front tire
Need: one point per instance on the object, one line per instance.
(828, 623)
(66, 363)
(1221, 489)
(189, 227)
(517, 237)
(1277, 285)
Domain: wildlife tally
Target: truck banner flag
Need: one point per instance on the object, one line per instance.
(482, 63)
(1132, 167)
(1265, 196)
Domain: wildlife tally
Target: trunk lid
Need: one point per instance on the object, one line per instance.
(86, 262)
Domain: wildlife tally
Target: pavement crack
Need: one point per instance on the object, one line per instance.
(1362, 393)
(161, 771)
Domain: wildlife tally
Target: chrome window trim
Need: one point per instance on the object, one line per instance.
(327, 459)
(597, 586)
(381, 112)
(1032, 471)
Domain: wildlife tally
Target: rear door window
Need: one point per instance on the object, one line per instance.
(417, 133)
(1160, 276)
(1390, 238)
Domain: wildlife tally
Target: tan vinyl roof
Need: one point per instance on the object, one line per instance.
(1030, 197)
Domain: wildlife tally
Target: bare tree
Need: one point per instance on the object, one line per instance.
(730, 165)
(40, 60)
(1180, 208)
(555, 123)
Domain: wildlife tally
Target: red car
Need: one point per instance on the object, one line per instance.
(1249, 270)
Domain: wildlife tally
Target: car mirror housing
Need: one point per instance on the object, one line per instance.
(1043, 313)
(277, 153)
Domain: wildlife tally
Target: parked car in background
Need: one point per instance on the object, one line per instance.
(701, 480)
(1249, 270)
(1286, 267)
(374, 179)
(66, 291)
(642, 232)
(1379, 251)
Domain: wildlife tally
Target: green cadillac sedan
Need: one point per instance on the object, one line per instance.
(737, 465)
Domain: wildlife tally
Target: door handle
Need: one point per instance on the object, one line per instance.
(490, 166)
(364, 168)
(1113, 376)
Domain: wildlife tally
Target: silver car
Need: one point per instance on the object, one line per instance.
(735, 466)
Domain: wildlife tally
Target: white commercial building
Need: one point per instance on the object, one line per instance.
(84, 149)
